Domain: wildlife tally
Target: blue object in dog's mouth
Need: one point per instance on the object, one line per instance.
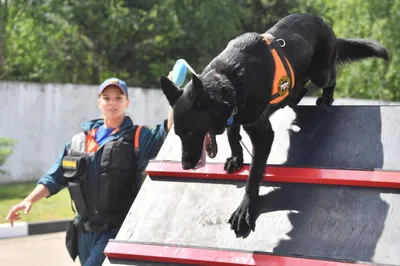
(211, 145)
(179, 72)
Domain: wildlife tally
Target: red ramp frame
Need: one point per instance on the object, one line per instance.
(203, 256)
(365, 178)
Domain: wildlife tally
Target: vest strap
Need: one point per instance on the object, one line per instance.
(78, 143)
(136, 142)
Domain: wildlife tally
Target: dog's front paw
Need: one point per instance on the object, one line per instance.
(242, 219)
(232, 164)
(324, 101)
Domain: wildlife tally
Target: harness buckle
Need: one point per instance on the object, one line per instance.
(281, 41)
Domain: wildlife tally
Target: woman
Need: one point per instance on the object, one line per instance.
(101, 167)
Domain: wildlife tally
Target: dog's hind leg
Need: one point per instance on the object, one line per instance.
(322, 71)
(321, 66)
(235, 162)
(242, 219)
(326, 99)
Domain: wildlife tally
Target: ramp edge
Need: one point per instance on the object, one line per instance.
(205, 256)
(347, 177)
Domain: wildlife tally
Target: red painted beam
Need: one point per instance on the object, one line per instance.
(365, 178)
(200, 256)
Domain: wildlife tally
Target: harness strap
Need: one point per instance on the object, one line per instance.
(136, 142)
(77, 146)
(260, 118)
(283, 70)
(78, 143)
(91, 143)
(288, 69)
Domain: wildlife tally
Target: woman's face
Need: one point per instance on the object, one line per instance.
(113, 103)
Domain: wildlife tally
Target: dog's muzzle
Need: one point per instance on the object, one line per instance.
(190, 161)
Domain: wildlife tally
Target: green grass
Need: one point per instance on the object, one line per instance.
(54, 208)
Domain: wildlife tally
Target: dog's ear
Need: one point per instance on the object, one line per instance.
(200, 93)
(170, 90)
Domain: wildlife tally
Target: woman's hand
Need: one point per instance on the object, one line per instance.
(14, 215)
(37, 194)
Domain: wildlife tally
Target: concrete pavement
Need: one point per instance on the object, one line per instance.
(43, 250)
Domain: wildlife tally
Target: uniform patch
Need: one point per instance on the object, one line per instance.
(69, 164)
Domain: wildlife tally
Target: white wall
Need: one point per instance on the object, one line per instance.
(42, 117)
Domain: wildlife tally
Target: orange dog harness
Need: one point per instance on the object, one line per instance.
(283, 83)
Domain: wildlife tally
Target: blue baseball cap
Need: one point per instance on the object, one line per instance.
(115, 82)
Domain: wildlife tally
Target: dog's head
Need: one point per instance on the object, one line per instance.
(201, 108)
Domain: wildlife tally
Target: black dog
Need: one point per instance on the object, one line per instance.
(248, 81)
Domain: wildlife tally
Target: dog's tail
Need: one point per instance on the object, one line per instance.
(350, 50)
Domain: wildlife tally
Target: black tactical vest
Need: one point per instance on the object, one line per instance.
(105, 183)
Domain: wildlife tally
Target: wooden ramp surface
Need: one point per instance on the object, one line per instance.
(332, 222)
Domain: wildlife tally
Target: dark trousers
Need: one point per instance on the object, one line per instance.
(91, 246)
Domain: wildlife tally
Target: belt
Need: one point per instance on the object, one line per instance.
(85, 227)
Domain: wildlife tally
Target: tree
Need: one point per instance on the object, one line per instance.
(3, 32)
(43, 46)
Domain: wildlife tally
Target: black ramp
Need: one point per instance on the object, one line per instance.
(323, 221)
(346, 137)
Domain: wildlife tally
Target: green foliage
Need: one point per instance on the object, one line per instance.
(43, 46)
(87, 41)
(6, 149)
(370, 19)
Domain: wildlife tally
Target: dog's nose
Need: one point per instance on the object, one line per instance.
(187, 166)
(189, 161)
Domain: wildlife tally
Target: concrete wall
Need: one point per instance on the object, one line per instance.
(42, 117)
